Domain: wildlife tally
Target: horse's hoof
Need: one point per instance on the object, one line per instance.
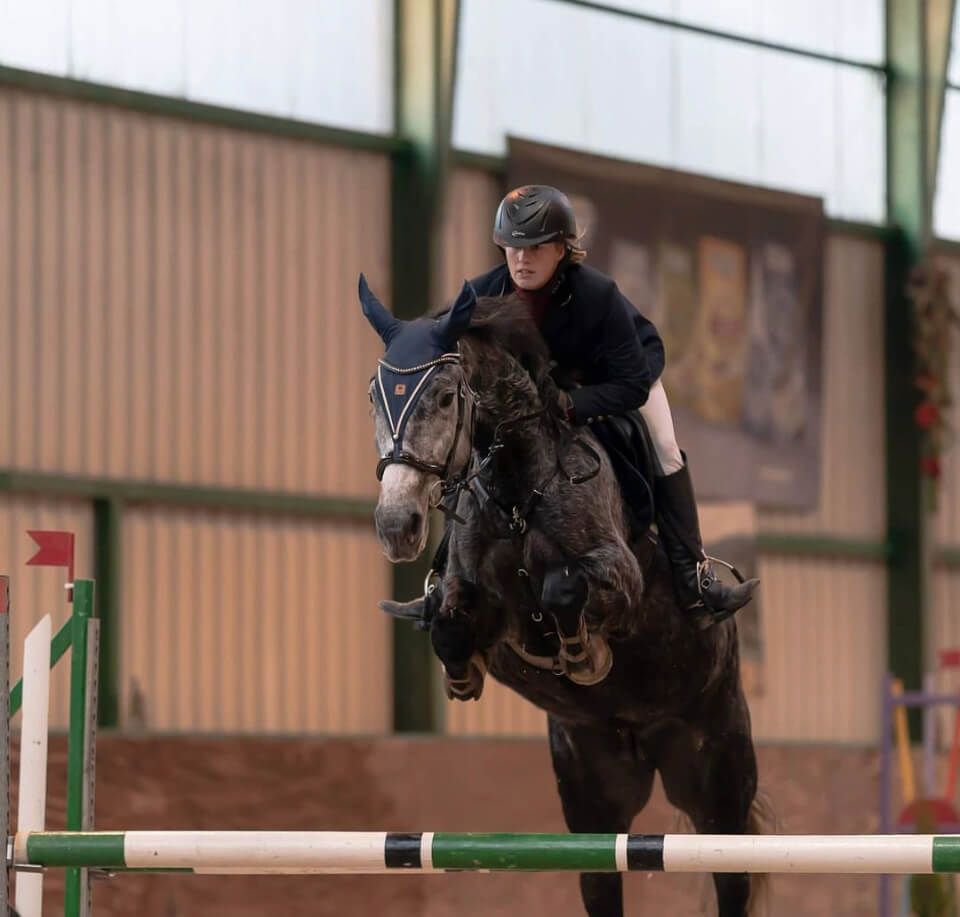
(470, 686)
(591, 665)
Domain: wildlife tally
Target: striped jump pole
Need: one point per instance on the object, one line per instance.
(264, 852)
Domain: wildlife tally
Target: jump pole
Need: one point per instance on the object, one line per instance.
(254, 852)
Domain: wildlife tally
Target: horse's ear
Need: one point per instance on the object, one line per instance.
(457, 320)
(385, 324)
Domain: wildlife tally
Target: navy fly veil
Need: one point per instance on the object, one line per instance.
(414, 351)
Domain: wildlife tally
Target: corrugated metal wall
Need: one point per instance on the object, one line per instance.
(182, 299)
(468, 250)
(254, 624)
(179, 305)
(36, 591)
(824, 619)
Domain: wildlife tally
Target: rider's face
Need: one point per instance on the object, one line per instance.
(532, 266)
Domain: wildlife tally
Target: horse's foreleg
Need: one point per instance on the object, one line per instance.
(586, 658)
(602, 783)
(453, 634)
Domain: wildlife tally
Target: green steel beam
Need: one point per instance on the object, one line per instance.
(482, 162)
(76, 752)
(146, 492)
(154, 104)
(705, 31)
(819, 544)
(947, 556)
(876, 231)
(497, 167)
(108, 564)
(907, 579)
(425, 61)
(917, 39)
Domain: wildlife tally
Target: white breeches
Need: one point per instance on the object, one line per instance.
(656, 412)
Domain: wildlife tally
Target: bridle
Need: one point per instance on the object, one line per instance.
(449, 483)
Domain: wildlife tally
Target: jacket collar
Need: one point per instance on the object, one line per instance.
(562, 292)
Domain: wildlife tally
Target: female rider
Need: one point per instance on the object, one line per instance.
(593, 331)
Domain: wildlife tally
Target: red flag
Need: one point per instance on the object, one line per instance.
(56, 550)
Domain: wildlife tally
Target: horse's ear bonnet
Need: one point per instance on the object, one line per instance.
(414, 350)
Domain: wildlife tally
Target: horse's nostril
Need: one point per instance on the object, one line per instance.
(414, 525)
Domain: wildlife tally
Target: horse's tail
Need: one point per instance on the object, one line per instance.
(761, 819)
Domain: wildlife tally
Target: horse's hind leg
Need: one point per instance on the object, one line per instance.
(602, 785)
(711, 775)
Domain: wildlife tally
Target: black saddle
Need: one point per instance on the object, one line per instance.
(626, 440)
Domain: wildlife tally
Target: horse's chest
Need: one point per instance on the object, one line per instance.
(512, 574)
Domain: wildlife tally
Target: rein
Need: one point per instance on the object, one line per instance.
(518, 514)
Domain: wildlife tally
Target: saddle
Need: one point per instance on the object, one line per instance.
(626, 440)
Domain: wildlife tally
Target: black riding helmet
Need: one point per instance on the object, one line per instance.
(533, 214)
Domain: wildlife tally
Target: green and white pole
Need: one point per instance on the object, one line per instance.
(265, 852)
(76, 900)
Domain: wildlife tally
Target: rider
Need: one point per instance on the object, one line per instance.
(591, 329)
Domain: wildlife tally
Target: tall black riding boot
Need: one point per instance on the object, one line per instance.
(700, 592)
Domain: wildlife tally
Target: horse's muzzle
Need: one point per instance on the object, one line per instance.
(402, 533)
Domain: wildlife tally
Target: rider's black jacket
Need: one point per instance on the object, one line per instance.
(596, 334)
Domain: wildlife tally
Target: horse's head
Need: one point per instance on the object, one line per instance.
(421, 409)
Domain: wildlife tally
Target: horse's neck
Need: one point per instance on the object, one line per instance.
(523, 457)
(507, 395)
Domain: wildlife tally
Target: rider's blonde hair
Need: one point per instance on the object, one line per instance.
(575, 254)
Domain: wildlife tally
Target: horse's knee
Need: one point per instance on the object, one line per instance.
(454, 640)
(469, 684)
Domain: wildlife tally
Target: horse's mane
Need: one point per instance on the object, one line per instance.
(506, 323)
(509, 343)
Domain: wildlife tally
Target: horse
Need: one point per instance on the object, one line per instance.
(467, 419)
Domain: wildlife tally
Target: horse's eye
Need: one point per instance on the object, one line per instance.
(446, 399)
